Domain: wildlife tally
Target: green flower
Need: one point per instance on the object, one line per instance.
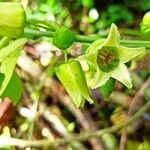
(107, 59)
(12, 19)
(72, 77)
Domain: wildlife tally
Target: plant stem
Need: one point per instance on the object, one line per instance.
(81, 137)
(35, 107)
(36, 33)
(131, 32)
(88, 39)
(51, 24)
(66, 55)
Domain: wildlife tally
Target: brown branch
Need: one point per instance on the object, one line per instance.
(135, 104)
(83, 117)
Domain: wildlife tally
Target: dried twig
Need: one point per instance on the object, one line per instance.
(79, 137)
(136, 102)
(82, 115)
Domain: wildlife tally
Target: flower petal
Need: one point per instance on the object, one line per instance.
(113, 36)
(121, 73)
(127, 54)
(99, 79)
(95, 46)
(90, 58)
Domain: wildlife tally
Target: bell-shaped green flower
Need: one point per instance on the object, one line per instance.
(12, 19)
(72, 77)
(107, 59)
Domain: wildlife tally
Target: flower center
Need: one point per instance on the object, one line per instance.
(108, 58)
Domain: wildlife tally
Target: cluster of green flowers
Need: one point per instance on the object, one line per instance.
(104, 58)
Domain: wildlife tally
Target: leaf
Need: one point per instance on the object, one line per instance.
(106, 89)
(8, 59)
(13, 89)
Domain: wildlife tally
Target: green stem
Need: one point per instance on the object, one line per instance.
(51, 24)
(80, 137)
(31, 122)
(131, 32)
(66, 55)
(88, 39)
(35, 107)
(36, 33)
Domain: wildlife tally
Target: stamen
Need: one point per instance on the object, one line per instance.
(108, 58)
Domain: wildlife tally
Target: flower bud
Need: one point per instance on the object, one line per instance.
(12, 19)
(63, 38)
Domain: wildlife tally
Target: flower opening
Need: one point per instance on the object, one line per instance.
(108, 58)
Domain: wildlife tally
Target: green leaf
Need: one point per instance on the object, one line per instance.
(107, 89)
(8, 59)
(13, 89)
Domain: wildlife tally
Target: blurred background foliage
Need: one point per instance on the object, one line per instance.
(90, 16)
(87, 17)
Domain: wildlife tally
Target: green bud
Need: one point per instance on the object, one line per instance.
(72, 77)
(107, 58)
(12, 19)
(63, 38)
(145, 25)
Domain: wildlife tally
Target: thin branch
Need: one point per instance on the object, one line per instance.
(133, 106)
(81, 137)
(82, 115)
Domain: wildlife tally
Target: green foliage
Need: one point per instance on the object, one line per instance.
(63, 38)
(8, 58)
(14, 89)
(115, 14)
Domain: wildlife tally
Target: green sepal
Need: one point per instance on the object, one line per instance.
(107, 89)
(13, 89)
(12, 19)
(63, 38)
(72, 77)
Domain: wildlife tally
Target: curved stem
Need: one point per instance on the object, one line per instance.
(4, 141)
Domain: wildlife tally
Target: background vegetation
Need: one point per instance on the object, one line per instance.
(45, 110)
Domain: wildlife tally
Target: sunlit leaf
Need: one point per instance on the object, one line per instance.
(8, 58)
